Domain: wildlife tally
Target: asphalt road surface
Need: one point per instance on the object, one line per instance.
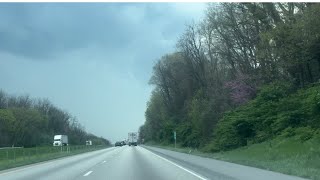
(138, 163)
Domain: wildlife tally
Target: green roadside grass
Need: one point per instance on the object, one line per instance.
(15, 157)
(284, 155)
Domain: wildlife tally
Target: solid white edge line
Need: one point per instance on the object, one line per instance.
(195, 174)
(88, 173)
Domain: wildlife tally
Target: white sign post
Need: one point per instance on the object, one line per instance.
(175, 138)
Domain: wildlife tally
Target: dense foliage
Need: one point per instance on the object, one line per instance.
(29, 122)
(274, 112)
(235, 76)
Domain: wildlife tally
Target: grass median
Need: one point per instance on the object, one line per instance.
(15, 157)
(288, 156)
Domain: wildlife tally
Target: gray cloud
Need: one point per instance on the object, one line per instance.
(44, 30)
(91, 59)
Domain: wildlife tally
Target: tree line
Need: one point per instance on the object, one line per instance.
(224, 61)
(28, 122)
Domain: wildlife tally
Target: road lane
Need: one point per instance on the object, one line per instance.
(120, 163)
(137, 163)
(215, 169)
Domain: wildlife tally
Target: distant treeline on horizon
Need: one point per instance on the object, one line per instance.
(29, 122)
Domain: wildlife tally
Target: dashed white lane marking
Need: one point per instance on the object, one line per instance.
(88, 173)
(197, 175)
(52, 161)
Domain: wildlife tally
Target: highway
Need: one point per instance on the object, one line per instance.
(138, 163)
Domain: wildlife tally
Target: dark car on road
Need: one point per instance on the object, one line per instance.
(133, 144)
(118, 144)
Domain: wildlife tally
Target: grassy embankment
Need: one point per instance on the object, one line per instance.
(280, 132)
(287, 156)
(14, 157)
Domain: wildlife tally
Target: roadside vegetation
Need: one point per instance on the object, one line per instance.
(243, 86)
(293, 146)
(284, 155)
(27, 128)
(14, 157)
(28, 122)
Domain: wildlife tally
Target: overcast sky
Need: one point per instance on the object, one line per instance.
(92, 60)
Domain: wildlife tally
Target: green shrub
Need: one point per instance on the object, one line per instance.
(244, 128)
(227, 135)
(288, 132)
(210, 147)
(288, 119)
(275, 91)
(304, 133)
(261, 136)
(183, 131)
(316, 102)
(275, 112)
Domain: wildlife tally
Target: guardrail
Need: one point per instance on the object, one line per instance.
(9, 147)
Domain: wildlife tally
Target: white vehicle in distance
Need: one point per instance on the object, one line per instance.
(133, 138)
(89, 143)
(60, 140)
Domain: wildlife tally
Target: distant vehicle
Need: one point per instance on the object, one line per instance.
(118, 144)
(123, 143)
(89, 143)
(133, 138)
(60, 140)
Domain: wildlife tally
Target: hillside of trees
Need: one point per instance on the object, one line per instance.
(246, 73)
(29, 122)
